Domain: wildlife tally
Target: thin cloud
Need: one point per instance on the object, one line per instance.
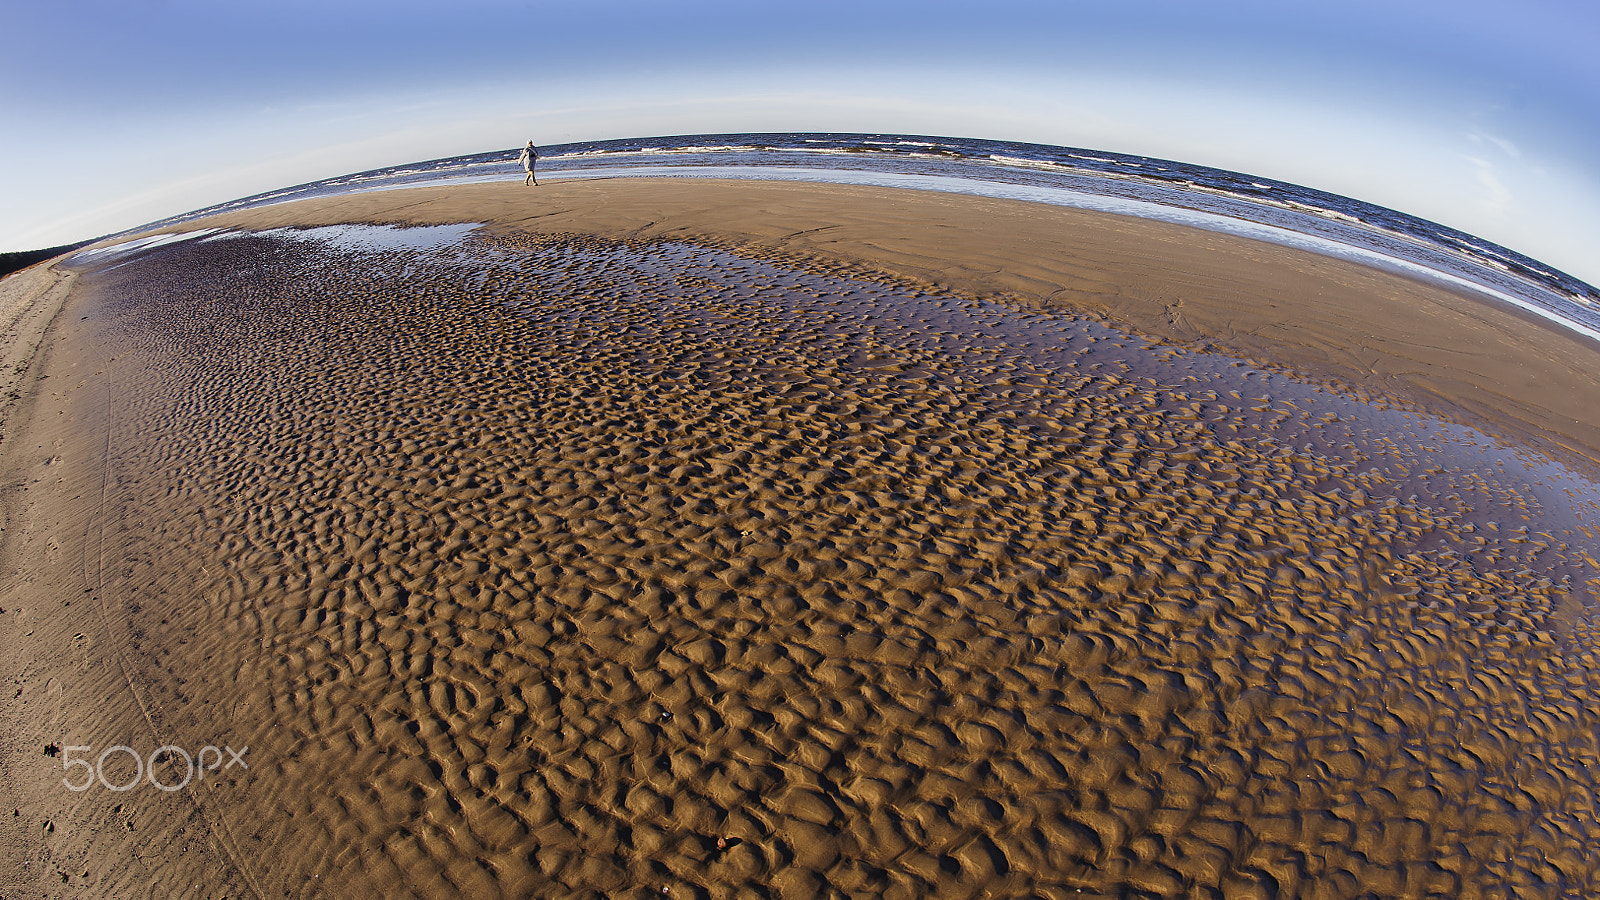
(1496, 198)
(1499, 143)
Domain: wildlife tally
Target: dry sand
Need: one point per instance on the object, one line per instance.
(724, 539)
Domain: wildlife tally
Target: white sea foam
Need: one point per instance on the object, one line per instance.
(1021, 162)
(579, 154)
(713, 148)
(1313, 209)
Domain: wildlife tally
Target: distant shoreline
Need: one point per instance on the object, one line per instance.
(17, 260)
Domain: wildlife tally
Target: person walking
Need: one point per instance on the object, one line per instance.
(528, 158)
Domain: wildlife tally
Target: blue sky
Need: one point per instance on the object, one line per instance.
(1481, 115)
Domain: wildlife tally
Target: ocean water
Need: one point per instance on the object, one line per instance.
(1252, 206)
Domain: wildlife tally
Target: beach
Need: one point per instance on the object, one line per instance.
(725, 539)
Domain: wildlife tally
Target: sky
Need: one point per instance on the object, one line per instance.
(1479, 114)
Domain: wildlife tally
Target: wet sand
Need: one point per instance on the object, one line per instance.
(654, 542)
(1381, 331)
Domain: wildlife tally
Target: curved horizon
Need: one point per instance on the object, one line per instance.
(1481, 117)
(547, 158)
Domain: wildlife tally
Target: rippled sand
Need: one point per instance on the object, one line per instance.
(556, 564)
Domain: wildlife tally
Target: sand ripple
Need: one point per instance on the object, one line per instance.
(564, 567)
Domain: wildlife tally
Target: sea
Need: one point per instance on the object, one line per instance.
(1166, 190)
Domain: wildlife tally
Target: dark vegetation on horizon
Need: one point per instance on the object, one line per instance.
(17, 260)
